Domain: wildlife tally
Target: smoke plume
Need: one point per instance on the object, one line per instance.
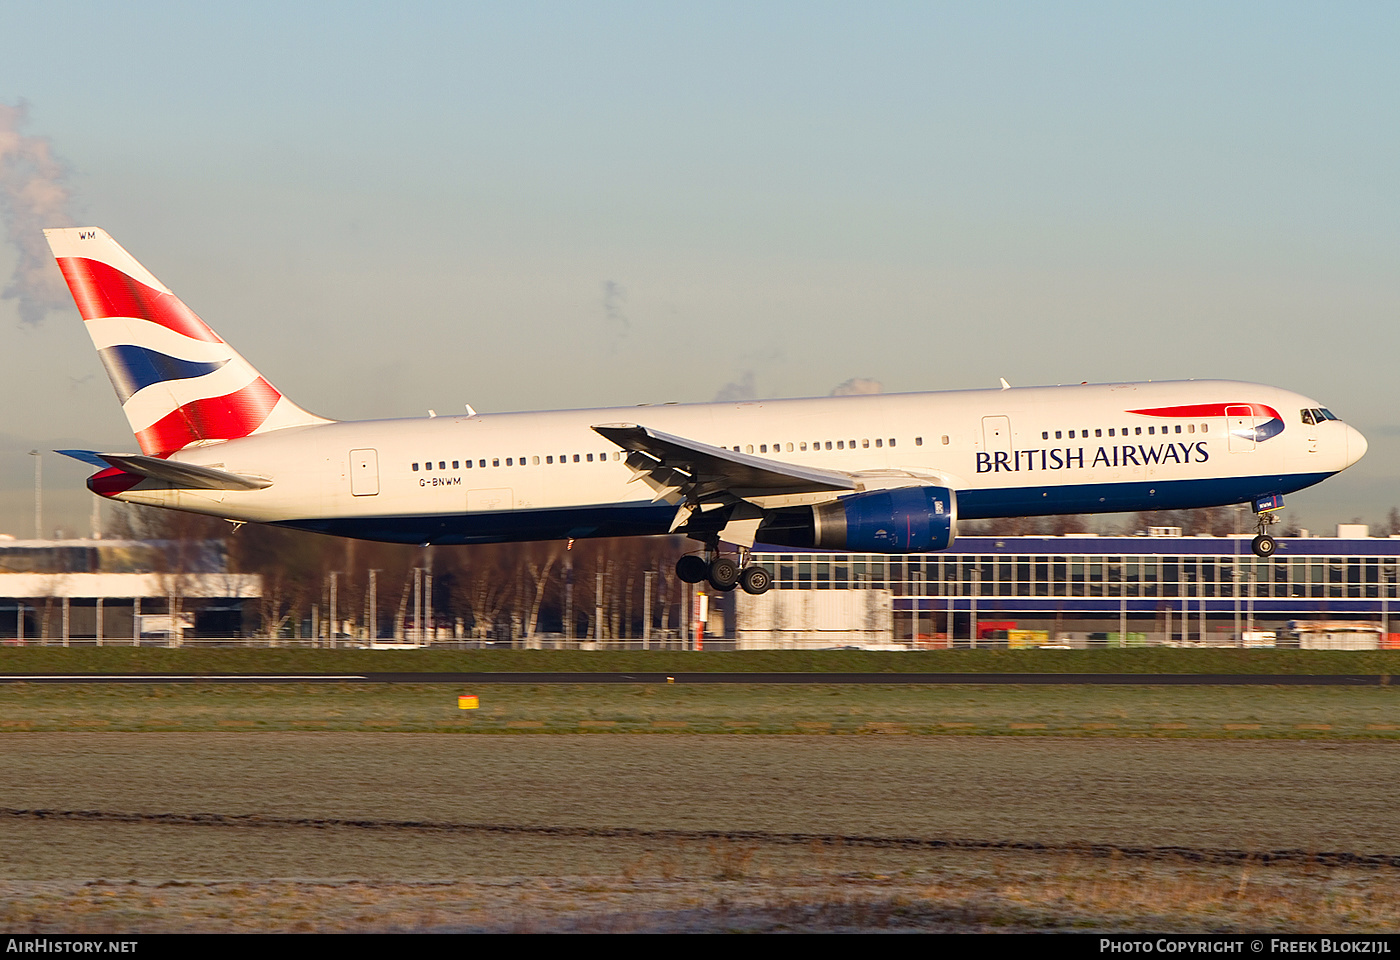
(856, 386)
(735, 391)
(33, 195)
(618, 326)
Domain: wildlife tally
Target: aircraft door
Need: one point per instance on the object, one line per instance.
(1239, 425)
(364, 473)
(996, 435)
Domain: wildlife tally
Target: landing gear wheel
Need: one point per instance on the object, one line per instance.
(1263, 546)
(724, 573)
(755, 580)
(691, 569)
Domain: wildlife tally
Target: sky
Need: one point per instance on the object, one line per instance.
(521, 206)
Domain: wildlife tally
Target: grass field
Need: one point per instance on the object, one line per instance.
(118, 659)
(700, 807)
(119, 832)
(1318, 713)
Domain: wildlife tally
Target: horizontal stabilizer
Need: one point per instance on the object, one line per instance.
(173, 472)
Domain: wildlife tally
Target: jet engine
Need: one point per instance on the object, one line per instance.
(902, 520)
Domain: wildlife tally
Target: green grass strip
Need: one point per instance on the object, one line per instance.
(109, 660)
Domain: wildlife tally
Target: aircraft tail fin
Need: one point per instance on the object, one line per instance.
(178, 382)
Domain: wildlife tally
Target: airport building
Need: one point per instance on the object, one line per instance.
(1083, 591)
(113, 592)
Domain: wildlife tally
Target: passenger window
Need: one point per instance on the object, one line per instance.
(763, 448)
(803, 446)
(945, 439)
(1098, 432)
(1205, 428)
(535, 461)
(828, 444)
(590, 458)
(1151, 429)
(469, 464)
(749, 448)
(495, 461)
(548, 459)
(1110, 431)
(1045, 434)
(918, 441)
(879, 442)
(415, 468)
(1058, 435)
(891, 441)
(851, 443)
(789, 447)
(1178, 428)
(1071, 434)
(840, 445)
(508, 462)
(575, 458)
(481, 463)
(1138, 431)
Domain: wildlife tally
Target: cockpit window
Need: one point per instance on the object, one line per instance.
(1308, 417)
(1318, 414)
(1327, 414)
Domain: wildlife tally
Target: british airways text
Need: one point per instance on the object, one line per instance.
(1065, 458)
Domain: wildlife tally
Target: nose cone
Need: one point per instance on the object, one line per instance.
(1356, 445)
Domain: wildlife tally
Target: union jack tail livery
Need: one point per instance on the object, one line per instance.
(178, 382)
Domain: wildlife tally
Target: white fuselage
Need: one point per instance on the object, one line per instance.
(1009, 452)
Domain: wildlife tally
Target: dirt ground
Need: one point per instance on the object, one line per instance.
(147, 832)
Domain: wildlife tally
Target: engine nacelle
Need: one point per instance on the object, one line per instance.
(901, 520)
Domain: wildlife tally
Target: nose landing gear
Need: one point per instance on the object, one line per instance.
(1266, 513)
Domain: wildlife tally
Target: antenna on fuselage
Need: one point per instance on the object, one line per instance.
(1004, 384)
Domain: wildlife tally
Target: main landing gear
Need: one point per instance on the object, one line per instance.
(724, 573)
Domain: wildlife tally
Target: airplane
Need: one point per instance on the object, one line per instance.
(890, 473)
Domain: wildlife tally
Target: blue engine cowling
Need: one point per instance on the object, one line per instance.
(903, 520)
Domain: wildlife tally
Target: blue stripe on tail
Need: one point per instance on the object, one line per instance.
(133, 368)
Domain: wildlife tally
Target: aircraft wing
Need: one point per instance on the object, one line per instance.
(678, 468)
(173, 472)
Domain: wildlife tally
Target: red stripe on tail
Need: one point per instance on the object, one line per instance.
(228, 417)
(101, 290)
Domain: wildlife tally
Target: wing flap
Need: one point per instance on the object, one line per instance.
(677, 466)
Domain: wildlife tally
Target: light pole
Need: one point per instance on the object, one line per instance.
(372, 608)
(38, 494)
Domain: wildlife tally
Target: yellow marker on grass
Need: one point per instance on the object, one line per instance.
(467, 701)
